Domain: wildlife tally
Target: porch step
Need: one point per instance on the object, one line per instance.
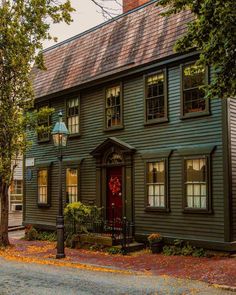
(133, 247)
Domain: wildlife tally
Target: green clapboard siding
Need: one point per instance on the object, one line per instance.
(175, 133)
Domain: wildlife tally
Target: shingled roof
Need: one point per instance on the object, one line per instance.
(131, 40)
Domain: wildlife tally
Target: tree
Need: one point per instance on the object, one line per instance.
(212, 32)
(24, 24)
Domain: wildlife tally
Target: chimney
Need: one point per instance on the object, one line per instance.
(132, 4)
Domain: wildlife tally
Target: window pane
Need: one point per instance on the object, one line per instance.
(16, 187)
(155, 101)
(72, 184)
(113, 107)
(193, 94)
(73, 115)
(43, 177)
(43, 186)
(156, 184)
(193, 76)
(196, 183)
(203, 202)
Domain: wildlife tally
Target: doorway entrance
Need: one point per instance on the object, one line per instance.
(114, 193)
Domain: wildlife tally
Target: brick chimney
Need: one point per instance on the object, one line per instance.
(131, 4)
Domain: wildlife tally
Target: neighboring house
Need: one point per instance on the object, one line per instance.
(16, 195)
(142, 136)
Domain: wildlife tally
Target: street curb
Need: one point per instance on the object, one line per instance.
(225, 287)
(64, 263)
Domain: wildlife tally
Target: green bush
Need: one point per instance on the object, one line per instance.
(47, 236)
(113, 250)
(182, 248)
(31, 234)
(78, 217)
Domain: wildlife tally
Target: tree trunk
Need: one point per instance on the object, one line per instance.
(4, 241)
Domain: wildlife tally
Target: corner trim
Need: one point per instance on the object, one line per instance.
(227, 172)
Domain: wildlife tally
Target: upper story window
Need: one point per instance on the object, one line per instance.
(193, 94)
(73, 110)
(43, 127)
(72, 185)
(113, 112)
(155, 97)
(156, 184)
(43, 196)
(196, 183)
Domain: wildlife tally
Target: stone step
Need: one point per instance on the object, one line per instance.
(132, 247)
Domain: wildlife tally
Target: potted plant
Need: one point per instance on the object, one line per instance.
(156, 242)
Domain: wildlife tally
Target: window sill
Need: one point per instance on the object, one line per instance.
(157, 209)
(74, 135)
(114, 129)
(197, 211)
(44, 141)
(43, 205)
(158, 121)
(195, 115)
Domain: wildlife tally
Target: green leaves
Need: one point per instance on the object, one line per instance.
(24, 25)
(213, 33)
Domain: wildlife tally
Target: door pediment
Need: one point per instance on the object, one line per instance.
(112, 143)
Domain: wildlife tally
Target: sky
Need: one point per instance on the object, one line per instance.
(86, 16)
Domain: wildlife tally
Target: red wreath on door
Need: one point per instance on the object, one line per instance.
(114, 185)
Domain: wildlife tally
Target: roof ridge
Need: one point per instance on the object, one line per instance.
(98, 26)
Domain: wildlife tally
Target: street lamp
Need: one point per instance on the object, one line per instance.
(60, 135)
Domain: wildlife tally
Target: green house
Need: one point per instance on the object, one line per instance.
(142, 135)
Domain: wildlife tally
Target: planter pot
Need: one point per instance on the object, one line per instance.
(157, 247)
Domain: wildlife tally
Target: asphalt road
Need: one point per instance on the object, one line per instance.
(33, 279)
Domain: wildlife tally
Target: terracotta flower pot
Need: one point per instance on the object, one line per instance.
(157, 247)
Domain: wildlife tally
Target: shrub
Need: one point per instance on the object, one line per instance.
(114, 250)
(182, 248)
(31, 234)
(47, 236)
(79, 217)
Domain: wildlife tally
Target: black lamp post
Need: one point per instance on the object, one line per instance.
(60, 135)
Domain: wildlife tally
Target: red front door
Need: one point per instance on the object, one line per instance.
(114, 193)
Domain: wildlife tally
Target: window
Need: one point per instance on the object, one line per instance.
(16, 187)
(196, 184)
(43, 125)
(113, 107)
(16, 195)
(193, 95)
(43, 186)
(156, 109)
(73, 115)
(72, 185)
(156, 184)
